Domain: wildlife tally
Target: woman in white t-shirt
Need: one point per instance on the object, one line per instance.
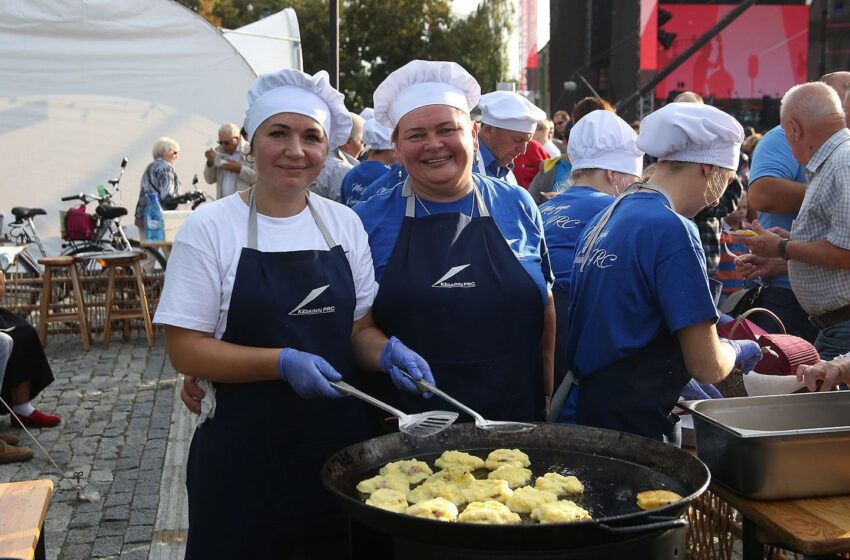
(267, 296)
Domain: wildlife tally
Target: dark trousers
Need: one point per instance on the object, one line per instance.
(784, 304)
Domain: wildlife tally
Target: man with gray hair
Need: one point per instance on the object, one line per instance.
(817, 250)
(227, 165)
(340, 161)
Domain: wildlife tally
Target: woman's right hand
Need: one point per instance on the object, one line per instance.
(307, 374)
(192, 394)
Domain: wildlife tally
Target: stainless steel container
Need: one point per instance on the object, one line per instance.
(776, 447)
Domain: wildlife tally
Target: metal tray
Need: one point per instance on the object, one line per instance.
(776, 447)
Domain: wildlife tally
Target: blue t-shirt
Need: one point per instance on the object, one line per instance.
(645, 274)
(564, 219)
(385, 182)
(360, 177)
(773, 158)
(512, 208)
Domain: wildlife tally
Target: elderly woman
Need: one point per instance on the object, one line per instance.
(159, 178)
(605, 161)
(267, 296)
(460, 257)
(642, 317)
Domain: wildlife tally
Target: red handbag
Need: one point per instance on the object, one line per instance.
(787, 352)
(79, 225)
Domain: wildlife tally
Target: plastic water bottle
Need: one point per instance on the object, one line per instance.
(154, 224)
(101, 190)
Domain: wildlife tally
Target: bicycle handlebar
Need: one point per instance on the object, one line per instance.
(84, 198)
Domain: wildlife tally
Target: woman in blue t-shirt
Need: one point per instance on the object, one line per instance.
(460, 257)
(606, 160)
(642, 316)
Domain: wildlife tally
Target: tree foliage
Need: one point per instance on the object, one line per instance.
(377, 37)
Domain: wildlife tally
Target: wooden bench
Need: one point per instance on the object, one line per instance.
(23, 506)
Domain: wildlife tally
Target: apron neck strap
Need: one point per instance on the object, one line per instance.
(252, 222)
(410, 206)
(662, 191)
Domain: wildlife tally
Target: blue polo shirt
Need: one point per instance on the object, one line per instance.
(491, 165)
(564, 219)
(773, 158)
(513, 210)
(358, 178)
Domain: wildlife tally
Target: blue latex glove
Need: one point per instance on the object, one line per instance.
(695, 390)
(747, 353)
(307, 374)
(396, 356)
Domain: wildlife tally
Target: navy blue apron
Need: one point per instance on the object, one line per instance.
(561, 298)
(454, 292)
(637, 393)
(254, 468)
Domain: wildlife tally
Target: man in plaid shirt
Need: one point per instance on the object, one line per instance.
(817, 251)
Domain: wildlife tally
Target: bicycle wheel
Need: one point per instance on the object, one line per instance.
(154, 260)
(89, 265)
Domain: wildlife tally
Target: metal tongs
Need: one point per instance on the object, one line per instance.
(480, 422)
(419, 425)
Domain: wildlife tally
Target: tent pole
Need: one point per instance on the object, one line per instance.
(333, 35)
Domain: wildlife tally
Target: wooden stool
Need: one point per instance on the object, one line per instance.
(115, 262)
(52, 264)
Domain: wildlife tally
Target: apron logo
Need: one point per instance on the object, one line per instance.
(441, 283)
(299, 309)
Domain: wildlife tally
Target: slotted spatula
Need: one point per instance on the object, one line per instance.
(480, 422)
(419, 425)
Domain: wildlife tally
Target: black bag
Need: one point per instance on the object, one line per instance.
(741, 301)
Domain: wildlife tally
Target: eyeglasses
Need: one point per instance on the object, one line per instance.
(559, 123)
(220, 142)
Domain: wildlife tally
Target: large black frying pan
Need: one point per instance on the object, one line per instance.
(613, 466)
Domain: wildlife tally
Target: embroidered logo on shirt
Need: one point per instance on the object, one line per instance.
(299, 309)
(441, 283)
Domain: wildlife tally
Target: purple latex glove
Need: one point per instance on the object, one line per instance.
(307, 374)
(695, 390)
(747, 353)
(395, 357)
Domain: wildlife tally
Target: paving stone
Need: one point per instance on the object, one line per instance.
(107, 546)
(113, 528)
(138, 533)
(76, 551)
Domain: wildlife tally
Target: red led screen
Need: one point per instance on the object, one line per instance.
(763, 52)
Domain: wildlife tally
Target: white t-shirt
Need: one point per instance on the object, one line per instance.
(205, 255)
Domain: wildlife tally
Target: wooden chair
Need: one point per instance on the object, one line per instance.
(51, 266)
(128, 261)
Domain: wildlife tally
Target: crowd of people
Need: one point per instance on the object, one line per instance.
(567, 269)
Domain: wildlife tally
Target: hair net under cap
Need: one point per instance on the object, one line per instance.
(511, 111)
(293, 91)
(693, 133)
(423, 82)
(377, 136)
(602, 140)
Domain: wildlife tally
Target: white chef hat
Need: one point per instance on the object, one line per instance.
(602, 140)
(367, 113)
(509, 110)
(377, 136)
(423, 82)
(692, 133)
(293, 91)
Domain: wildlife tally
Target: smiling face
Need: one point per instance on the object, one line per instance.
(436, 144)
(290, 150)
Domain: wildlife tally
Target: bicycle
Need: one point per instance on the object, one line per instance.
(108, 235)
(15, 256)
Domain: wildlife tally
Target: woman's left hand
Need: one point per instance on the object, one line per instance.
(396, 357)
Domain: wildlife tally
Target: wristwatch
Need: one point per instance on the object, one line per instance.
(782, 245)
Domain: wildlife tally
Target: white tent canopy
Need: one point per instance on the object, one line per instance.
(270, 43)
(87, 82)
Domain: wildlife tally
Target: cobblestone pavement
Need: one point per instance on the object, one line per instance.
(116, 407)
